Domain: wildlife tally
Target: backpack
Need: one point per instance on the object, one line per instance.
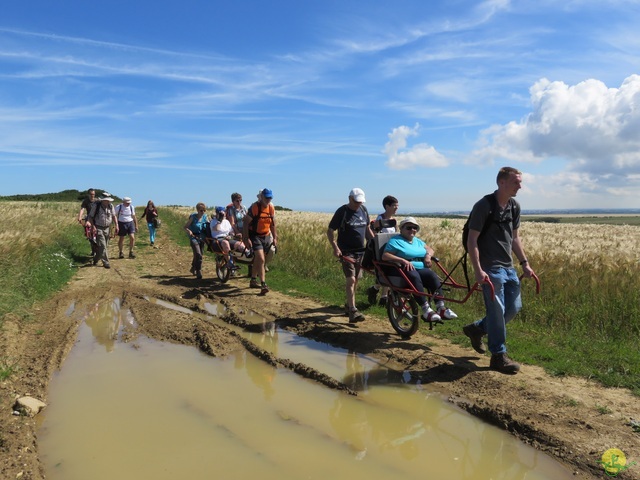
(253, 226)
(119, 210)
(493, 206)
(369, 254)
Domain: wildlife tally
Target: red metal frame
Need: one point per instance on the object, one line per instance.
(410, 289)
(448, 281)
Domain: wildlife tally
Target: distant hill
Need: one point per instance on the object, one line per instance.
(63, 196)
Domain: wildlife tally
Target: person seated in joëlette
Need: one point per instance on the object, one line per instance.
(223, 235)
(414, 257)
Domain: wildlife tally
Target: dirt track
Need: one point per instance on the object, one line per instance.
(560, 416)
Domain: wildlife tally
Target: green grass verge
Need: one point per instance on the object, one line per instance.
(27, 279)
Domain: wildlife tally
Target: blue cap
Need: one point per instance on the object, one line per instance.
(219, 209)
(266, 193)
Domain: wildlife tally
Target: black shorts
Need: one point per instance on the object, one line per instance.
(126, 228)
(260, 242)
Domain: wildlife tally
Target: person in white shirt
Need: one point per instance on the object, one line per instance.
(127, 225)
(223, 234)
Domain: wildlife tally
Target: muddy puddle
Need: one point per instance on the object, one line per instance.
(156, 410)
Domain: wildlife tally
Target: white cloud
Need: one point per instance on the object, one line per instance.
(593, 127)
(420, 155)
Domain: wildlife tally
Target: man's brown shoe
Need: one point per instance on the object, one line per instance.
(500, 362)
(475, 334)
(355, 316)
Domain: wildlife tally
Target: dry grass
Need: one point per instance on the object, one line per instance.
(603, 245)
(29, 225)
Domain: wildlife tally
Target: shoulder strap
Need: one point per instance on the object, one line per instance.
(344, 217)
(493, 205)
(255, 218)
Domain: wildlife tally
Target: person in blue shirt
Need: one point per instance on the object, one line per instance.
(195, 228)
(414, 256)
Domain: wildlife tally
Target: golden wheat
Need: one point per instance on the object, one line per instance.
(29, 225)
(604, 245)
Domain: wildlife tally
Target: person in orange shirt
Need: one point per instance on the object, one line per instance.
(259, 234)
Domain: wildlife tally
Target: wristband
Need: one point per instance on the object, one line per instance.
(524, 262)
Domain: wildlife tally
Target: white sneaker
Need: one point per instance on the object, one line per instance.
(431, 316)
(447, 313)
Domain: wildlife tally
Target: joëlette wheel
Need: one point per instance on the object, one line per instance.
(222, 271)
(402, 310)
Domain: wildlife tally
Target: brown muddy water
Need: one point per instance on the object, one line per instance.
(154, 410)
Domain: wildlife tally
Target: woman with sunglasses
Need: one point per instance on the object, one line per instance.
(414, 256)
(236, 212)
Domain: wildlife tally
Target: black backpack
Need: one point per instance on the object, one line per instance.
(493, 207)
(369, 254)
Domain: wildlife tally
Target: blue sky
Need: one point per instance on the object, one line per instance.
(187, 101)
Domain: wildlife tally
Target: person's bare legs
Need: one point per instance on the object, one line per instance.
(258, 265)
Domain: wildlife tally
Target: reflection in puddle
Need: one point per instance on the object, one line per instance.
(164, 411)
(215, 309)
(169, 305)
(106, 321)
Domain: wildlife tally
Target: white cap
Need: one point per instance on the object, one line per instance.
(126, 199)
(357, 194)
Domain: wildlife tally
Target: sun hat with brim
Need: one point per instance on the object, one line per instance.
(126, 199)
(410, 221)
(109, 199)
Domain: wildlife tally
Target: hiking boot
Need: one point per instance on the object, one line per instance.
(95, 261)
(254, 283)
(193, 270)
(475, 334)
(106, 265)
(500, 362)
(198, 274)
(431, 316)
(132, 255)
(372, 294)
(264, 289)
(121, 255)
(355, 316)
(382, 302)
(447, 313)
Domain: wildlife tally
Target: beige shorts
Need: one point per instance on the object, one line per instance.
(351, 265)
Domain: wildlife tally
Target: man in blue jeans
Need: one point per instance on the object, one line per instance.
(493, 238)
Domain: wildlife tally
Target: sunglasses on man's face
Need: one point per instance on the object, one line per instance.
(411, 227)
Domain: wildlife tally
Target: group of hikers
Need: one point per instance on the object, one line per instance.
(491, 242)
(97, 215)
(251, 232)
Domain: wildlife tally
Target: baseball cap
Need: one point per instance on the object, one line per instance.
(357, 194)
(266, 193)
(219, 209)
